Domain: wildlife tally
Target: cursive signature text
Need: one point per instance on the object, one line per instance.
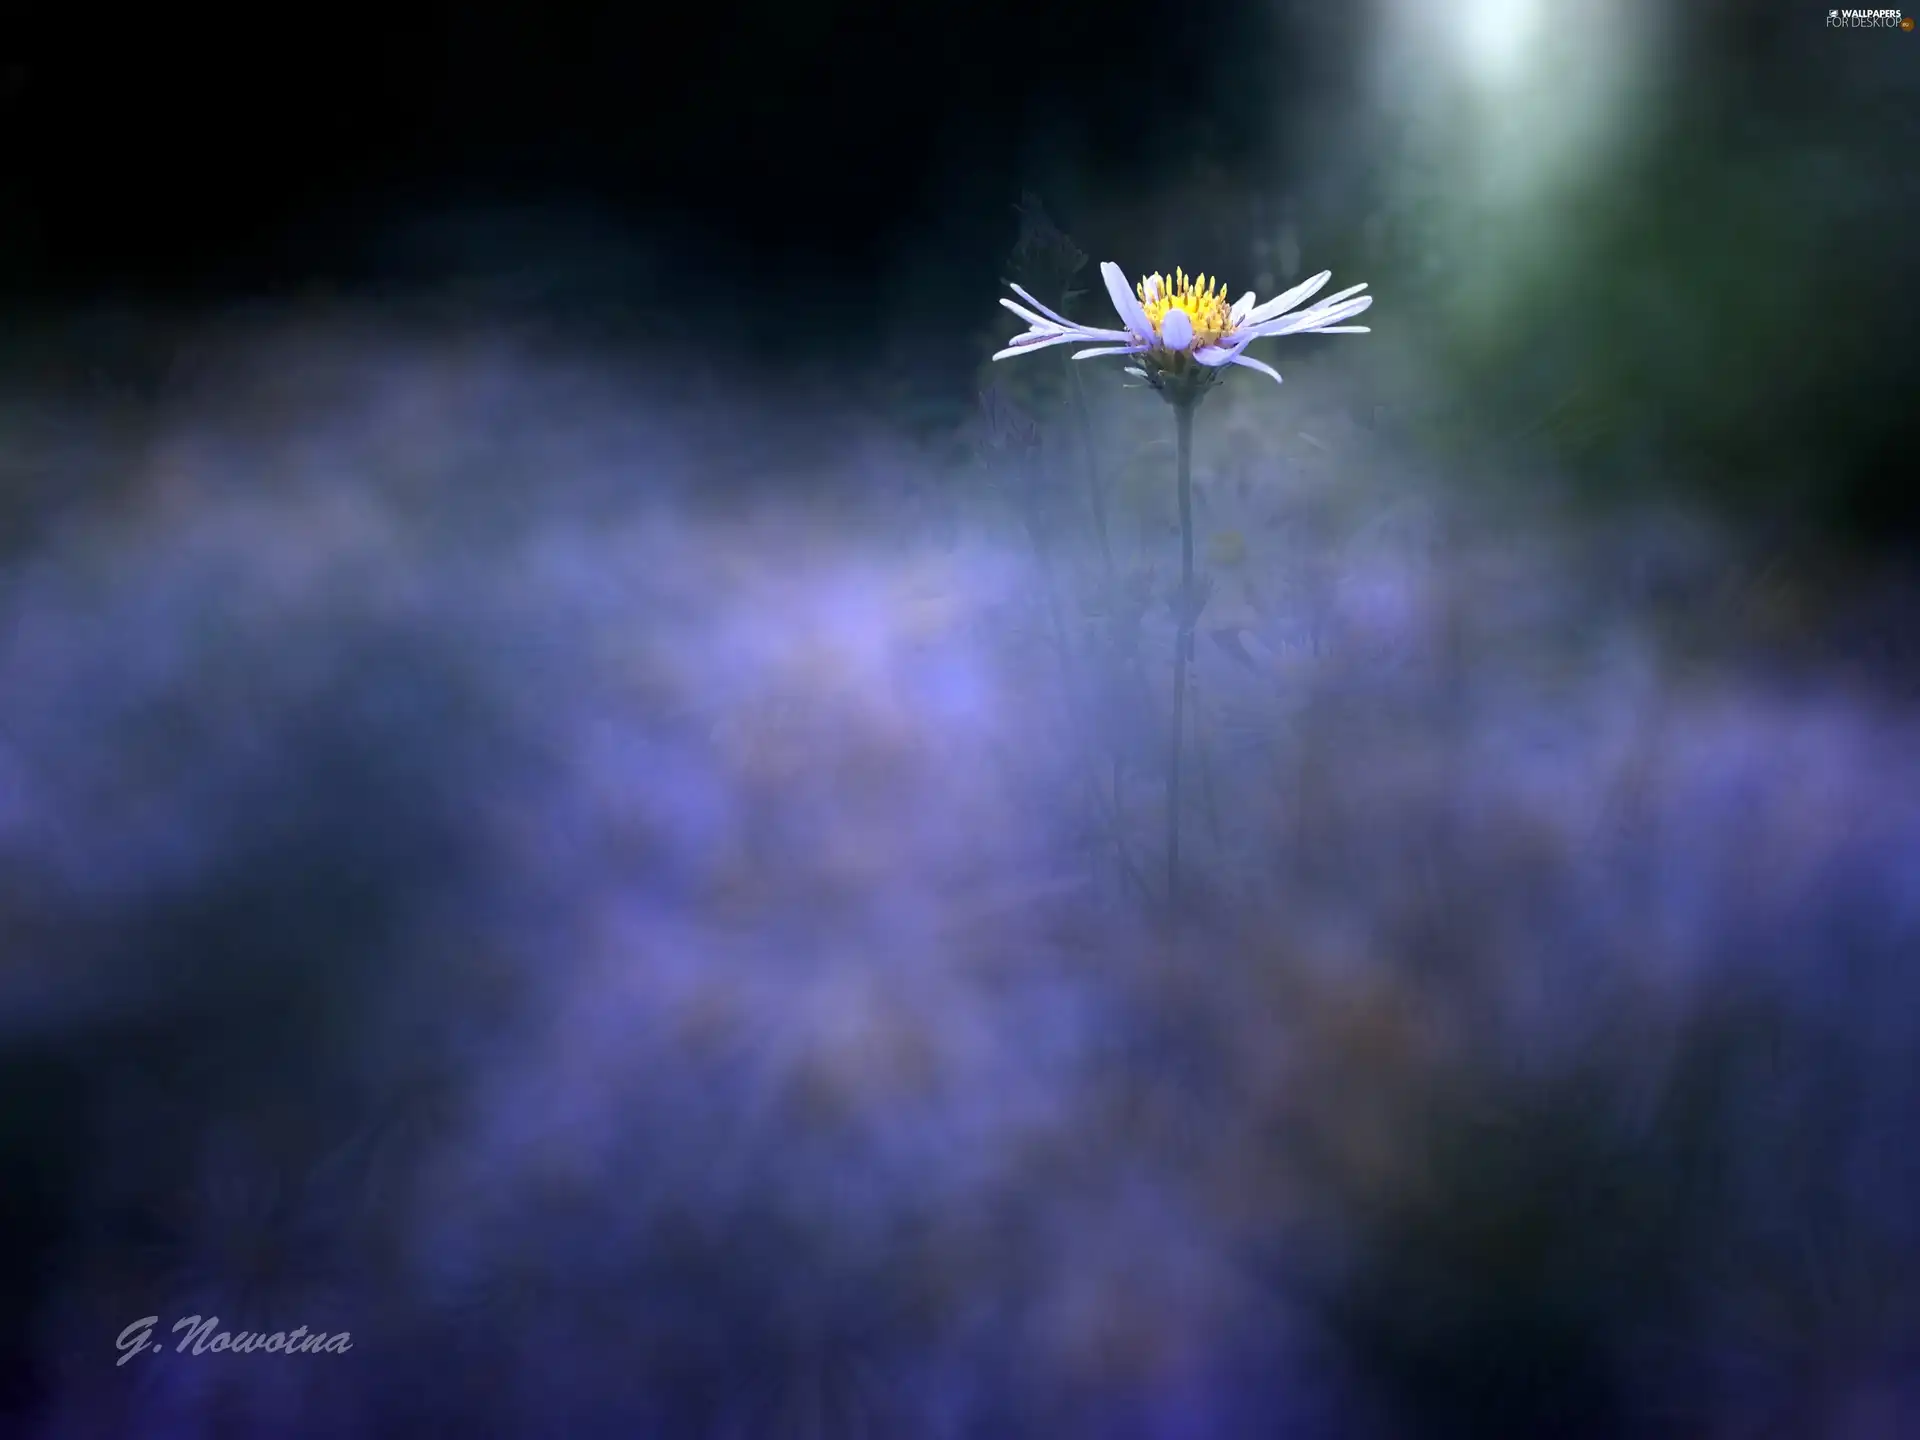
(206, 1337)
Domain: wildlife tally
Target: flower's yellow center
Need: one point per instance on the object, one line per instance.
(1202, 298)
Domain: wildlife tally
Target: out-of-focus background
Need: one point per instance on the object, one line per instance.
(583, 780)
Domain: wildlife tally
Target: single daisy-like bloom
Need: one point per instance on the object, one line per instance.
(1183, 329)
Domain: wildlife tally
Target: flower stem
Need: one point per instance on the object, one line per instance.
(1183, 642)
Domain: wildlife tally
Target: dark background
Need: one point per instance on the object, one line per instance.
(815, 178)
(782, 150)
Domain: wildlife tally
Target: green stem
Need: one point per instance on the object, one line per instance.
(1182, 645)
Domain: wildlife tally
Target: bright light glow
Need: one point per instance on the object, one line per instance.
(1496, 36)
(1505, 113)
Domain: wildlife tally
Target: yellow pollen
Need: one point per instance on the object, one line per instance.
(1203, 298)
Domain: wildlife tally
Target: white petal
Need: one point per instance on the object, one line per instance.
(1109, 350)
(1049, 327)
(1309, 320)
(1327, 302)
(1334, 314)
(1344, 330)
(1260, 365)
(1214, 356)
(1241, 308)
(1153, 285)
(1280, 304)
(1124, 303)
(1027, 344)
(1176, 330)
(1037, 321)
(1053, 315)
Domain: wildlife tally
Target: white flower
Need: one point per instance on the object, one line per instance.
(1172, 322)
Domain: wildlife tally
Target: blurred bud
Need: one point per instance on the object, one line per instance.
(1045, 259)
